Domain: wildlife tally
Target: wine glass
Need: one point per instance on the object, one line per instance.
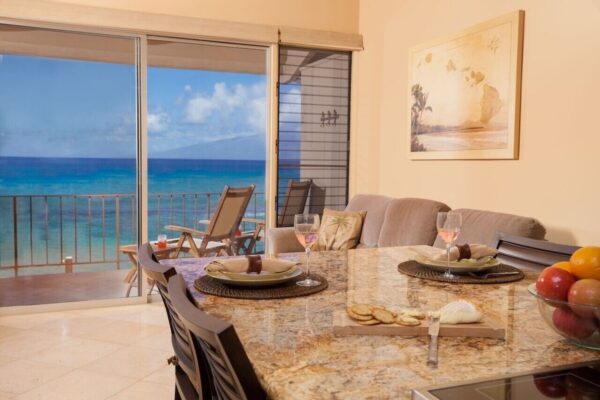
(306, 227)
(448, 227)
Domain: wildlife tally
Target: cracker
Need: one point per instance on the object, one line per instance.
(361, 309)
(384, 316)
(359, 317)
(369, 322)
(407, 321)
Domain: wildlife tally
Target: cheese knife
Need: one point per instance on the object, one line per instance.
(434, 330)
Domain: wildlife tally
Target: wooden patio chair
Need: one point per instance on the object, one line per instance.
(223, 369)
(294, 202)
(530, 254)
(220, 235)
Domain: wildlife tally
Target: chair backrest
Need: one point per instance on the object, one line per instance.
(230, 374)
(294, 202)
(188, 363)
(531, 254)
(229, 213)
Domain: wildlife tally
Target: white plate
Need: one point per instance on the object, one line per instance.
(263, 281)
(456, 266)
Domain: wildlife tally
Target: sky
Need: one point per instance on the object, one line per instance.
(65, 108)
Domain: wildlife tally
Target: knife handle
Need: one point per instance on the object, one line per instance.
(432, 356)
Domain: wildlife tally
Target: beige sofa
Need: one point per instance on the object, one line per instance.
(409, 221)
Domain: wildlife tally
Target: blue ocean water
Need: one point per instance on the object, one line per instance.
(86, 207)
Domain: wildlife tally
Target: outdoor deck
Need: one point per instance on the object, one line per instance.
(63, 288)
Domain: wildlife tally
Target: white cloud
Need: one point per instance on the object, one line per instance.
(187, 88)
(224, 101)
(290, 106)
(158, 121)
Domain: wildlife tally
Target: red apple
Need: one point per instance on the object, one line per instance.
(572, 324)
(554, 283)
(585, 291)
(550, 385)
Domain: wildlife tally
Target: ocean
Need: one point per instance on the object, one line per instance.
(76, 206)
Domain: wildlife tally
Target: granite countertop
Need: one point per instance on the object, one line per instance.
(296, 355)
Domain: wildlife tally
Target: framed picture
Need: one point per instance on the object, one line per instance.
(465, 93)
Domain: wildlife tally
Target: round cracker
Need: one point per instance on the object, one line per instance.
(407, 321)
(361, 309)
(359, 317)
(384, 316)
(369, 322)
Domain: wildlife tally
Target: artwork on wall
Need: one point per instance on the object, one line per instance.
(465, 93)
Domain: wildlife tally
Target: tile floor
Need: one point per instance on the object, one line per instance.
(111, 353)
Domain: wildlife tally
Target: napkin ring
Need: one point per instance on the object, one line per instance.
(464, 251)
(254, 263)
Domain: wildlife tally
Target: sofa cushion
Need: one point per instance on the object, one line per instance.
(480, 226)
(375, 206)
(340, 230)
(410, 222)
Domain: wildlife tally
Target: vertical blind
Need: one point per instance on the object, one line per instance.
(314, 125)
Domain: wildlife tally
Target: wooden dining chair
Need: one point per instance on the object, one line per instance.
(530, 254)
(294, 202)
(184, 359)
(216, 349)
(220, 236)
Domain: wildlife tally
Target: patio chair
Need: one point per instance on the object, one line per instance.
(530, 254)
(223, 368)
(220, 235)
(294, 202)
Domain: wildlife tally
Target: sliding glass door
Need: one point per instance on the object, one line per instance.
(68, 176)
(206, 129)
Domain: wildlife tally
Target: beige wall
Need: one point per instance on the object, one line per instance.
(556, 179)
(329, 15)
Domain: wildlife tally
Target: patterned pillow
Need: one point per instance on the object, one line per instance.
(340, 230)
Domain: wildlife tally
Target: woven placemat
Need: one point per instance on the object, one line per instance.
(414, 269)
(209, 285)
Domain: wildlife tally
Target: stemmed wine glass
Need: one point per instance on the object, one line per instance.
(448, 227)
(306, 227)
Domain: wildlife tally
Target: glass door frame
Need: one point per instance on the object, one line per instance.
(141, 59)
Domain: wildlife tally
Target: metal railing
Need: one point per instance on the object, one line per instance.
(44, 230)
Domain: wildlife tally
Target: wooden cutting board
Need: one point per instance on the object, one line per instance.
(343, 325)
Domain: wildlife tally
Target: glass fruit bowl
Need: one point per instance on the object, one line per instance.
(579, 324)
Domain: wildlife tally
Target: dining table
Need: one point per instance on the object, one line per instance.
(297, 355)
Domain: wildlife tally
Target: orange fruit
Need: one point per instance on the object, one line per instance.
(585, 263)
(566, 265)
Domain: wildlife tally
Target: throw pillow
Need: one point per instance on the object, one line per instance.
(340, 230)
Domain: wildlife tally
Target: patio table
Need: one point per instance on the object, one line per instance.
(296, 355)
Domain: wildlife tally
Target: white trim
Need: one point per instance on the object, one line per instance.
(172, 25)
(272, 154)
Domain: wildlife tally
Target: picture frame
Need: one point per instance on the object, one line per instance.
(464, 93)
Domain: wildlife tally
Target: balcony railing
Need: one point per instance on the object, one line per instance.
(43, 230)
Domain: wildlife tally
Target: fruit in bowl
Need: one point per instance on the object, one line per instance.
(568, 295)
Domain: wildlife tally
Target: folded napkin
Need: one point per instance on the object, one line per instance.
(466, 251)
(241, 265)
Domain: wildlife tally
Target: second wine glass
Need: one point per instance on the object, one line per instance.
(306, 227)
(448, 227)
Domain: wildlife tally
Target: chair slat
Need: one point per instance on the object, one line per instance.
(231, 374)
